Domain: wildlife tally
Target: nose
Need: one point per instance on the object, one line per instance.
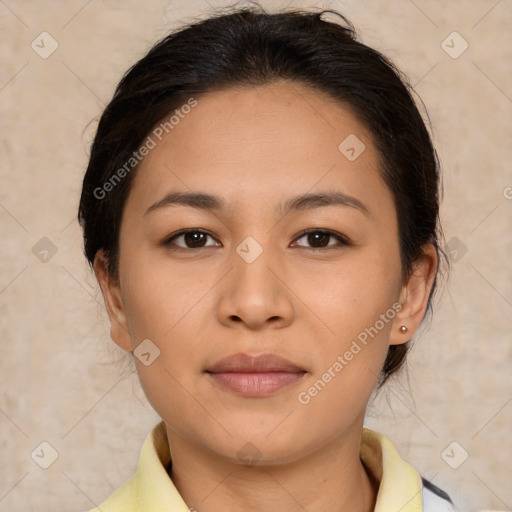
(255, 293)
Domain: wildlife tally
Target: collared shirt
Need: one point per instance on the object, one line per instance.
(401, 488)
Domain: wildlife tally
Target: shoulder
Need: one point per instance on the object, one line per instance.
(437, 500)
(434, 498)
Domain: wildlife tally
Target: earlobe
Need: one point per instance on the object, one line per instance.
(113, 302)
(414, 297)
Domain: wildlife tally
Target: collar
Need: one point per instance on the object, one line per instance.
(151, 488)
(400, 485)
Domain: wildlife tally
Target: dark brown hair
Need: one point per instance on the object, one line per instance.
(251, 47)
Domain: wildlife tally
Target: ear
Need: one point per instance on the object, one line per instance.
(414, 296)
(111, 291)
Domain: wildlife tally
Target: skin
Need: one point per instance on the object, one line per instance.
(256, 147)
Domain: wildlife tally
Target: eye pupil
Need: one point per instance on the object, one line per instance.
(193, 238)
(318, 236)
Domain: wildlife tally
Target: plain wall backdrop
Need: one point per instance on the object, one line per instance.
(65, 383)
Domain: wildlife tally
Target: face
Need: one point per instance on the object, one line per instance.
(313, 285)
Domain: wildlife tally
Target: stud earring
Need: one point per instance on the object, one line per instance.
(403, 328)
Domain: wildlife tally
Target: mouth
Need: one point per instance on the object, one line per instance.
(255, 376)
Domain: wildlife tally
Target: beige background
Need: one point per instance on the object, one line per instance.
(65, 383)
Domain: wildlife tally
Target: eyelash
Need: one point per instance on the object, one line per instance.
(342, 240)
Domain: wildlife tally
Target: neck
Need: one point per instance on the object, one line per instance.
(332, 478)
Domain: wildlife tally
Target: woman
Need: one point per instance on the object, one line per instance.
(261, 210)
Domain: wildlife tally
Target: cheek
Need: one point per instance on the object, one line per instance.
(163, 304)
(357, 308)
(158, 297)
(351, 296)
(356, 304)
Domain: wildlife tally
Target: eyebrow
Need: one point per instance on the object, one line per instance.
(204, 201)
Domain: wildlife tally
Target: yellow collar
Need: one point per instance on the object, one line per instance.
(400, 484)
(152, 489)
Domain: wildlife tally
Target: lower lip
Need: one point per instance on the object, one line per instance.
(256, 384)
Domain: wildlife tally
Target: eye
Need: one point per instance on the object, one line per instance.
(191, 239)
(319, 238)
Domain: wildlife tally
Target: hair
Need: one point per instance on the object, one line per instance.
(251, 47)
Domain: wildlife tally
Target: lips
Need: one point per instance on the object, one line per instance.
(255, 376)
(252, 364)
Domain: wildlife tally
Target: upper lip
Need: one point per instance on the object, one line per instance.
(246, 363)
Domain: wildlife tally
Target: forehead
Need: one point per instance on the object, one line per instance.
(247, 143)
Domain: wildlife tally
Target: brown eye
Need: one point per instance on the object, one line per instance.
(320, 239)
(189, 239)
